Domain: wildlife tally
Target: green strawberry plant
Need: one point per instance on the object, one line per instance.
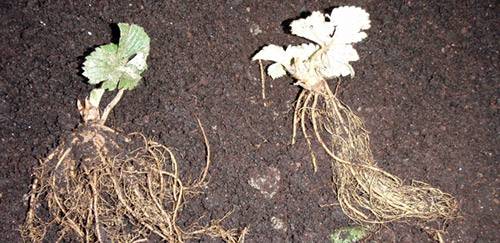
(115, 66)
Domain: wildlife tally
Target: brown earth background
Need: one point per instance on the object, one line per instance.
(426, 85)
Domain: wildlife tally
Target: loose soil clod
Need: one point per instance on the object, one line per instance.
(101, 185)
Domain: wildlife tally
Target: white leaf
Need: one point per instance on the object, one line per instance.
(276, 70)
(350, 17)
(302, 52)
(338, 69)
(273, 53)
(343, 53)
(314, 28)
(349, 21)
(336, 61)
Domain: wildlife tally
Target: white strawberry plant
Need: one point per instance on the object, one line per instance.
(330, 53)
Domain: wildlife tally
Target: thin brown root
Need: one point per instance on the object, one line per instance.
(243, 234)
(105, 187)
(94, 208)
(296, 116)
(366, 193)
(263, 80)
(216, 231)
(304, 129)
(204, 174)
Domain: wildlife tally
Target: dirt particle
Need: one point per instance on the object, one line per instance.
(267, 182)
(278, 224)
(255, 29)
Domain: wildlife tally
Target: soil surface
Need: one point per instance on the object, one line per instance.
(426, 85)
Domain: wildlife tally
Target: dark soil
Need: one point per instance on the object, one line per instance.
(426, 85)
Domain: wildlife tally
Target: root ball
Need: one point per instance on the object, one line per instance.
(101, 185)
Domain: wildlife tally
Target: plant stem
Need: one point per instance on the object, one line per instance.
(110, 106)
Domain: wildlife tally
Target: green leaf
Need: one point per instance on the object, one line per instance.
(102, 64)
(119, 65)
(133, 41)
(128, 82)
(349, 234)
(139, 62)
(109, 85)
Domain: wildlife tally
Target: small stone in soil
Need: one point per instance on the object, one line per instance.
(267, 182)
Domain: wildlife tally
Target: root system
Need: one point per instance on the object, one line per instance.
(101, 186)
(366, 193)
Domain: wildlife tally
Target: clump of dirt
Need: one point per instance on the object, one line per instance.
(101, 185)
